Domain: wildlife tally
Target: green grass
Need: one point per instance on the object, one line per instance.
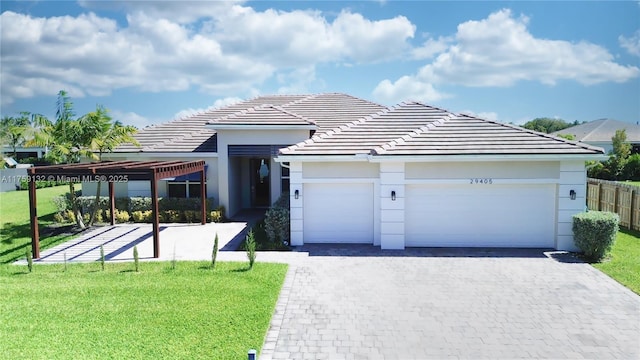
(623, 263)
(636, 183)
(191, 312)
(15, 229)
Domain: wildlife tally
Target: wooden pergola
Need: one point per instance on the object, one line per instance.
(112, 172)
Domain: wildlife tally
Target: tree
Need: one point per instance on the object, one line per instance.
(546, 125)
(104, 135)
(67, 139)
(14, 130)
(620, 154)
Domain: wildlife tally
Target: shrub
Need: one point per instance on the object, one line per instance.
(62, 203)
(102, 257)
(214, 252)
(58, 218)
(595, 232)
(122, 216)
(29, 259)
(70, 216)
(138, 216)
(136, 258)
(250, 244)
(276, 225)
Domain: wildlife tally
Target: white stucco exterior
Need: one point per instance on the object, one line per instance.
(537, 190)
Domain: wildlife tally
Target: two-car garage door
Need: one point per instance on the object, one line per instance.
(482, 215)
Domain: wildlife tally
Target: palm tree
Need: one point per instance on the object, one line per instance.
(14, 130)
(67, 140)
(104, 135)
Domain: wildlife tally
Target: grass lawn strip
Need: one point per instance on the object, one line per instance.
(15, 228)
(190, 312)
(623, 264)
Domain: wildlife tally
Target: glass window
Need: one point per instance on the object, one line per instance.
(178, 190)
(284, 177)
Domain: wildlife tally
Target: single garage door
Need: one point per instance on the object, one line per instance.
(338, 213)
(482, 215)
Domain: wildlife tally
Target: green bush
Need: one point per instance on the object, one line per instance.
(250, 245)
(594, 233)
(138, 216)
(122, 216)
(276, 225)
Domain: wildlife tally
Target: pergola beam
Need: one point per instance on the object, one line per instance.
(114, 171)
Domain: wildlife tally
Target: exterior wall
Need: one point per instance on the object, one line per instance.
(226, 185)
(389, 176)
(392, 211)
(573, 176)
(296, 213)
(480, 169)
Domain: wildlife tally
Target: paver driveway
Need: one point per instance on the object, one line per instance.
(358, 302)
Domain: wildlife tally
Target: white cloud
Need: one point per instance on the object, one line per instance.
(430, 48)
(482, 115)
(407, 88)
(631, 44)
(216, 47)
(131, 118)
(297, 81)
(500, 51)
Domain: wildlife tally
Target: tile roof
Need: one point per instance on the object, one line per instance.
(418, 129)
(265, 114)
(602, 130)
(189, 134)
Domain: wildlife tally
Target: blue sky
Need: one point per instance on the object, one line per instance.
(152, 61)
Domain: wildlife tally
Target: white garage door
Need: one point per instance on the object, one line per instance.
(480, 215)
(338, 213)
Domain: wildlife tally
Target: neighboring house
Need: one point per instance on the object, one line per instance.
(358, 172)
(24, 152)
(599, 133)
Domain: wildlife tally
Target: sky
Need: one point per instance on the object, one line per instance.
(154, 61)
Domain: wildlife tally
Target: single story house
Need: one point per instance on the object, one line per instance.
(599, 133)
(358, 172)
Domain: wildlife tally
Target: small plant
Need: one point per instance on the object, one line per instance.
(58, 218)
(102, 257)
(136, 258)
(29, 259)
(595, 232)
(250, 244)
(173, 258)
(214, 252)
(122, 216)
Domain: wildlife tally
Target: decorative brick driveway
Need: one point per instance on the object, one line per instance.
(358, 302)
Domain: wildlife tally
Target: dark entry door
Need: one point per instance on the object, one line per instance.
(260, 186)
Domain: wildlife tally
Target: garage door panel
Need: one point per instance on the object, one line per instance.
(338, 213)
(480, 216)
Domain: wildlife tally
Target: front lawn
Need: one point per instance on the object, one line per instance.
(191, 312)
(15, 228)
(623, 264)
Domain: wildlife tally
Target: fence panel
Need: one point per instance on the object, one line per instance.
(608, 197)
(593, 196)
(623, 207)
(621, 198)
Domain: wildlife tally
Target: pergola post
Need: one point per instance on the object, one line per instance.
(203, 198)
(156, 218)
(112, 203)
(33, 210)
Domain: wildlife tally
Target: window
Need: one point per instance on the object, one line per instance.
(284, 177)
(184, 189)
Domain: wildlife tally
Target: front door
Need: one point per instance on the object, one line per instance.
(260, 185)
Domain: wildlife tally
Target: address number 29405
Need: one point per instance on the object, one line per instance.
(479, 181)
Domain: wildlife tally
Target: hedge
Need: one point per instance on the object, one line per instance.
(594, 232)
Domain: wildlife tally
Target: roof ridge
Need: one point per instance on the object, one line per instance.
(422, 129)
(281, 109)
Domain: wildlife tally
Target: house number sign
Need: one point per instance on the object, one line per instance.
(479, 181)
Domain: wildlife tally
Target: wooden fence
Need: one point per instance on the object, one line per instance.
(615, 197)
